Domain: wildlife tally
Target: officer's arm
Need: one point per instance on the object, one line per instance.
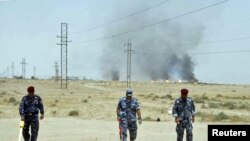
(118, 110)
(40, 106)
(175, 108)
(193, 111)
(21, 108)
(175, 111)
(138, 112)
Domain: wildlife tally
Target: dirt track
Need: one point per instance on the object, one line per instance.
(70, 129)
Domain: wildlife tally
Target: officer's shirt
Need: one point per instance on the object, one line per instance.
(128, 108)
(184, 109)
(30, 106)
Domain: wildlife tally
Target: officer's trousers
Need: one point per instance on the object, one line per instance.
(180, 131)
(131, 126)
(32, 122)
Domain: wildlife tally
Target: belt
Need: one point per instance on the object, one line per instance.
(31, 114)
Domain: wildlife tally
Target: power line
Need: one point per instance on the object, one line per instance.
(200, 53)
(221, 52)
(121, 18)
(218, 41)
(154, 24)
(212, 42)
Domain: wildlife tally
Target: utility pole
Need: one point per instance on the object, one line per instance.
(129, 52)
(8, 72)
(56, 71)
(23, 67)
(64, 54)
(12, 70)
(34, 69)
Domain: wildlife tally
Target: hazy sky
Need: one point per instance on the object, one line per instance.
(217, 38)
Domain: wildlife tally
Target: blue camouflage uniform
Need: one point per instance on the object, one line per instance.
(29, 109)
(184, 110)
(128, 120)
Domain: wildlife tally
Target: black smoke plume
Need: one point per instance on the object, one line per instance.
(161, 51)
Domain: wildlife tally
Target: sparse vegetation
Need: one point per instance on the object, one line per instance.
(204, 96)
(168, 96)
(153, 99)
(221, 116)
(13, 101)
(85, 101)
(198, 100)
(230, 105)
(243, 106)
(219, 95)
(74, 113)
(53, 105)
(3, 93)
(213, 105)
(148, 118)
(54, 112)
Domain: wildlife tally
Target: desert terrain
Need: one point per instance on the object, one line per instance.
(85, 111)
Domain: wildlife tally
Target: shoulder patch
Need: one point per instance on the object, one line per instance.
(177, 101)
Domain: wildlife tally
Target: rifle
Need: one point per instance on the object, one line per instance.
(120, 129)
(21, 129)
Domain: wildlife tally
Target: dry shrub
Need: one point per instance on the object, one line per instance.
(168, 96)
(3, 93)
(199, 100)
(54, 112)
(230, 105)
(204, 96)
(85, 101)
(74, 113)
(53, 105)
(243, 106)
(221, 116)
(148, 118)
(13, 101)
(219, 95)
(213, 105)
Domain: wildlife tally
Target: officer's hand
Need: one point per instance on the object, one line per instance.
(177, 120)
(139, 121)
(41, 117)
(22, 118)
(118, 119)
(193, 119)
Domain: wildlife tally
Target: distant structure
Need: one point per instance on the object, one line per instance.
(23, 63)
(12, 69)
(56, 77)
(129, 52)
(34, 71)
(8, 72)
(64, 54)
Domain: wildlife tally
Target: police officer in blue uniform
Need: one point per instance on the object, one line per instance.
(29, 109)
(127, 109)
(184, 113)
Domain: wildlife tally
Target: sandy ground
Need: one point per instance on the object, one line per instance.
(96, 101)
(73, 129)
